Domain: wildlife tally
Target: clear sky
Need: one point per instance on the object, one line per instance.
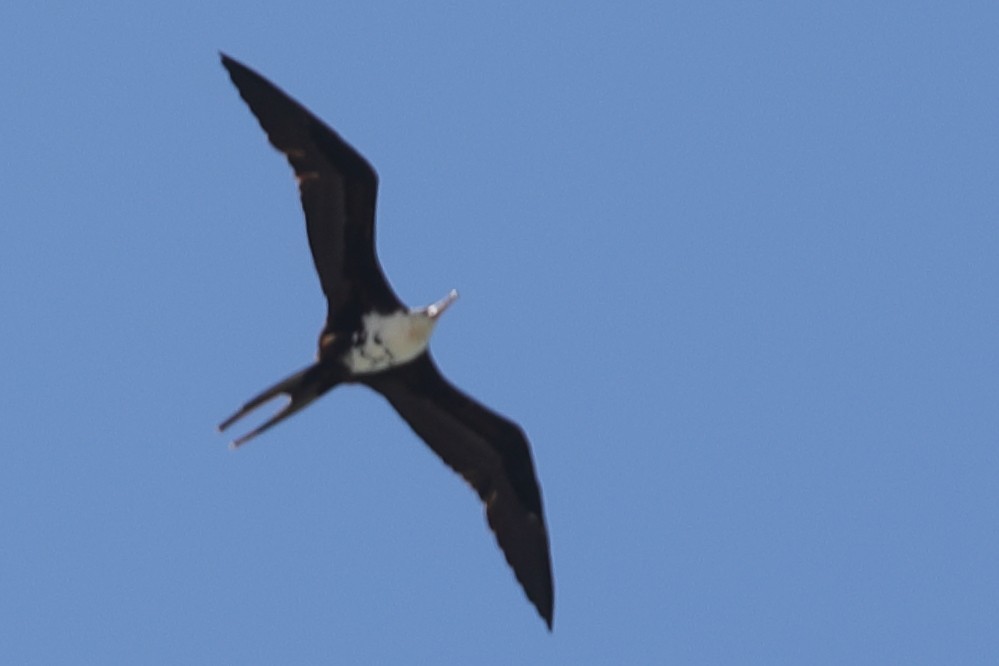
(734, 267)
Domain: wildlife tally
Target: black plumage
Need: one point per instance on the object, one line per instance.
(338, 192)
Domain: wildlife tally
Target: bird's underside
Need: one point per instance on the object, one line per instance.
(370, 337)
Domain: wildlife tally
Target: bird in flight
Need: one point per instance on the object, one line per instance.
(371, 338)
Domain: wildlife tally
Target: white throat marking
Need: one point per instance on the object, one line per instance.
(388, 340)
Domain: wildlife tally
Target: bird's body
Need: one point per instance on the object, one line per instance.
(370, 337)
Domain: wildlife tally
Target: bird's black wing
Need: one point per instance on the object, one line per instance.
(492, 454)
(338, 189)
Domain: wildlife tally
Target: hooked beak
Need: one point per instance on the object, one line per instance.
(435, 310)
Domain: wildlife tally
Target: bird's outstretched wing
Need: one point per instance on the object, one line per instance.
(338, 189)
(492, 454)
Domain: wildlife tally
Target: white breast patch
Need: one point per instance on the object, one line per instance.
(388, 340)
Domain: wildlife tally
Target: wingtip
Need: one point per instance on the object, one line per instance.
(548, 615)
(230, 64)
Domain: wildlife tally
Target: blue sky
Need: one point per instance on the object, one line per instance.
(733, 266)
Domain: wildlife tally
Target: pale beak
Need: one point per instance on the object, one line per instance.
(435, 310)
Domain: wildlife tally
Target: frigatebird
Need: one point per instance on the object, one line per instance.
(371, 338)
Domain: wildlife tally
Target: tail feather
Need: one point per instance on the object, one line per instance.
(301, 388)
